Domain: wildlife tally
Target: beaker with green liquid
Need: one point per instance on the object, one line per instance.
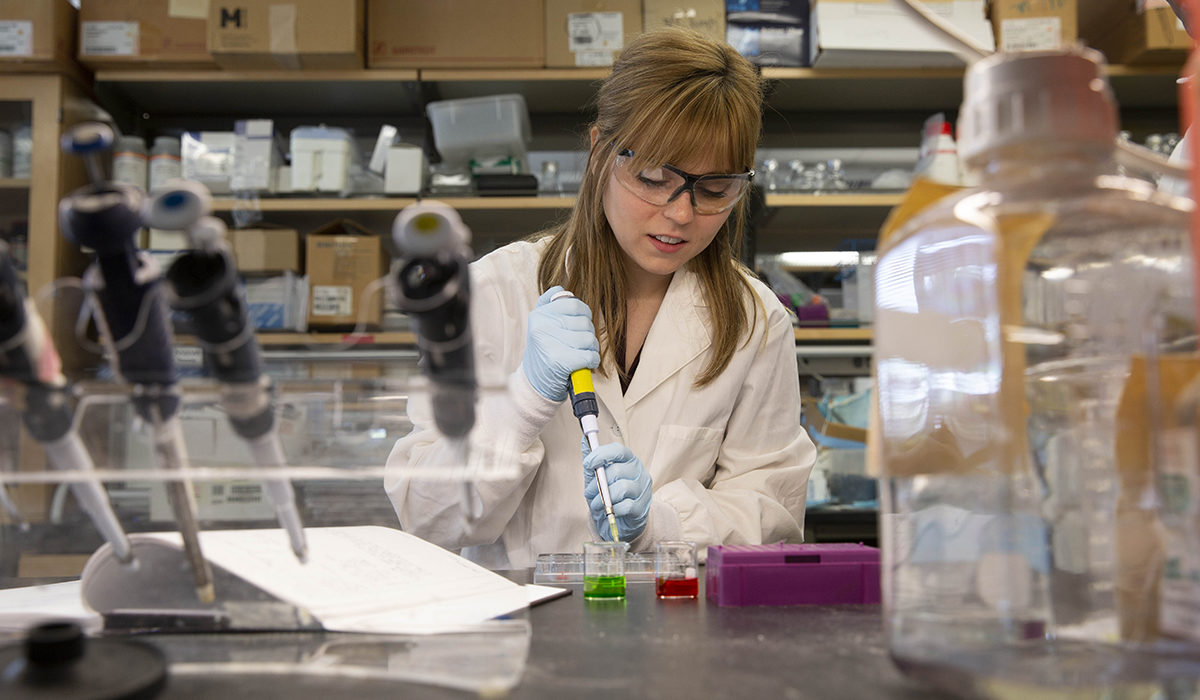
(604, 570)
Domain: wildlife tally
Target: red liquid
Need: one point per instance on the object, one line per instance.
(677, 587)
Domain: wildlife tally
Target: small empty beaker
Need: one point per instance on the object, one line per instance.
(604, 570)
(675, 571)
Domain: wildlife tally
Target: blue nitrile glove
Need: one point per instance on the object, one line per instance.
(629, 485)
(560, 340)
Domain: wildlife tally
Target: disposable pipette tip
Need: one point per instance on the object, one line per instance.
(612, 527)
(205, 593)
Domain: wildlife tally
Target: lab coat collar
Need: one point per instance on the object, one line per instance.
(678, 335)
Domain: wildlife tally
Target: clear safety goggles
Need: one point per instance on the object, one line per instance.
(661, 185)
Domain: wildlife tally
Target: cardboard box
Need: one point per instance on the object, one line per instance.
(704, 16)
(144, 34)
(1033, 25)
(589, 33)
(455, 34)
(301, 34)
(38, 36)
(875, 34)
(342, 259)
(266, 249)
(1129, 33)
(769, 32)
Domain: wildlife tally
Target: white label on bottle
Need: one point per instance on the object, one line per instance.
(109, 39)
(163, 168)
(130, 168)
(16, 38)
(1030, 34)
(595, 31)
(1179, 491)
(332, 301)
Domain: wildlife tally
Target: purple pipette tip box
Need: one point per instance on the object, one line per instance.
(792, 574)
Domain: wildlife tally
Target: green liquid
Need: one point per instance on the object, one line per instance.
(604, 587)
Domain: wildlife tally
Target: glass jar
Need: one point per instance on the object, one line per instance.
(1006, 321)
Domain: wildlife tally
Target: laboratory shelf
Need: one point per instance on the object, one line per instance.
(834, 334)
(14, 183)
(923, 89)
(563, 90)
(352, 204)
(336, 93)
(318, 338)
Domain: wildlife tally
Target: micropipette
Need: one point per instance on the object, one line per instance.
(27, 354)
(587, 410)
(203, 282)
(132, 318)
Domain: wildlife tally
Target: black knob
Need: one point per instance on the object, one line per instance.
(54, 644)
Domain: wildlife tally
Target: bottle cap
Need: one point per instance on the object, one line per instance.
(1036, 96)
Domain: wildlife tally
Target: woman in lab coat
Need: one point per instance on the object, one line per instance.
(694, 359)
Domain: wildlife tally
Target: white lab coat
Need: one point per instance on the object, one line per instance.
(729, 461)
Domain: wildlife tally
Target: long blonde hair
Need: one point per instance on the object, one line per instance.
(673, 96)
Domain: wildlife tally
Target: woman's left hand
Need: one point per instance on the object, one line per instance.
(629, 484)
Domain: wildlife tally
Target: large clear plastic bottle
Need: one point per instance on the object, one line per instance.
(1006, 320)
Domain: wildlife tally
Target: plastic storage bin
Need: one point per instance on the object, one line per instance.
(481, 129)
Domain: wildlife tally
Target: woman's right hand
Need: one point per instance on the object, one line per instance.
(560, 340)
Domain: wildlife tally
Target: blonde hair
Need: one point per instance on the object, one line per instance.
(673, 96)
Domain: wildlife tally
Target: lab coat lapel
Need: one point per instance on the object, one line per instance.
(677, 336)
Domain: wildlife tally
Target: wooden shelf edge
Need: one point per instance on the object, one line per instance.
(433, 75)
(815, 334)
(257, 76)
(14, 183)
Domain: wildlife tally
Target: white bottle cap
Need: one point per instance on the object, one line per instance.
(1012, 99)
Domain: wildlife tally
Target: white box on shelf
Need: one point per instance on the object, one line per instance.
(873, 33)
(406, 170)
(256, 155)
(321, 159)
(207, 158)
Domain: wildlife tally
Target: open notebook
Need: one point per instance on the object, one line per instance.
(356, 579)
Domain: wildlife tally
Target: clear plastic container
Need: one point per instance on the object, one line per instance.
(481, 129)
(1006, 320)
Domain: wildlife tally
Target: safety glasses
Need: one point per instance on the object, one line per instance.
(660, 185)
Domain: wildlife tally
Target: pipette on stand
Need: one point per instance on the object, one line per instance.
(432, 284)
(28, 356)
(203, 282)
(132, 319)
(587, 410)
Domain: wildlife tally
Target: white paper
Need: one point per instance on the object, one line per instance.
(366, 579)
(21, 608)
(16, 38)
(109, 38)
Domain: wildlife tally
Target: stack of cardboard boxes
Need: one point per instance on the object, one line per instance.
(389, 34)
